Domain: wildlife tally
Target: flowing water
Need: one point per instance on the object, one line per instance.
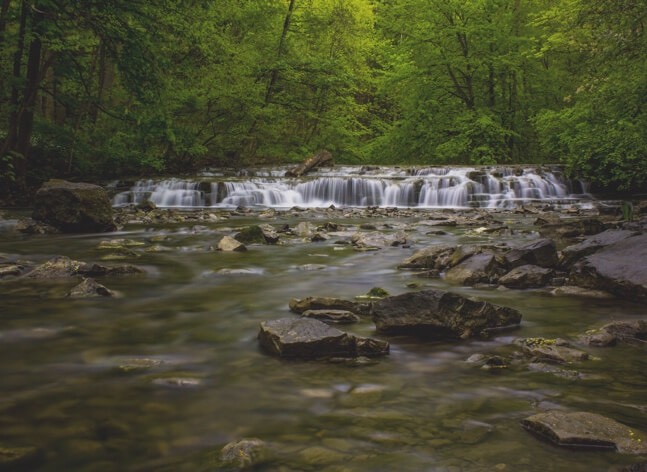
(162, 377)
(431, 187)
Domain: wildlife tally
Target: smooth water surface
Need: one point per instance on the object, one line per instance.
(162, 377)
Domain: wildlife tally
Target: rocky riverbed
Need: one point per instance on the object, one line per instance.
(440, 334)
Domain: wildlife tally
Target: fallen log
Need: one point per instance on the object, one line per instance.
(319, 159)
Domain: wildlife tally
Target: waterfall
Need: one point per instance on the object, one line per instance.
(431, 187)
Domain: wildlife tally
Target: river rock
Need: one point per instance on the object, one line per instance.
(11, 270)
(309, 338)
(332, 316)
(526, 276)
(629, 332)
(586, 430)
(57, 267)
(438, 314)
(572, 254)
(434, 257)
(326, 303)
(258, 234)
(574, 290)
(570, 228)
(90, 288)
(375, 240)
(73, 207)
(541, 252)
(244, 454)
(480, 268)
(551, 350)
(619, 268)
(229, 244)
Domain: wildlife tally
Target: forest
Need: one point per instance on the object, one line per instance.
(95, 89)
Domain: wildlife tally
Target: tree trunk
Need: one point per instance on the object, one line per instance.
(318, 160)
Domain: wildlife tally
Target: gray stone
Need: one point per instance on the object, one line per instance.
(526, 276)
(619, 268)
(573, 290)
(586, 430)
(572, 254)
(309, 338)
(73, 207)
(480, 268)
(541, 252)
(438, 314)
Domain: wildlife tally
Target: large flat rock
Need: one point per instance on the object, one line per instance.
(620, 268)
(310, 338)
(587, 430)
(438, 314)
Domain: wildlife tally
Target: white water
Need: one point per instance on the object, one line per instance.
(361, 187)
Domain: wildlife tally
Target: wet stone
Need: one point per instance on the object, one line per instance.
(551, 350)
(309, 338)
(244, 454)
(229, 244)
(586, 430)
(332, 316)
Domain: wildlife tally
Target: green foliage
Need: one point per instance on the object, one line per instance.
(138, 87)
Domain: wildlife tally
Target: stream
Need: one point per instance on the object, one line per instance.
(163, 376)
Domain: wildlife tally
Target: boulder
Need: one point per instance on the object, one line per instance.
(326, 303)
(526, 276)
(309, 338)
(572, 254)
(257, 234)
(438, 314)
(480, 268)
(229, 244)
(541, 252)
(73, 207)
(620, 268)
(586, 430)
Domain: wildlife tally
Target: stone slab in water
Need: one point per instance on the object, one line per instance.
(73, 207)
(309, 338)
(300, 305)
(479, 268)
(587, 430)
(541, 252)
(575, 252)
(526, 276)
(438, 314)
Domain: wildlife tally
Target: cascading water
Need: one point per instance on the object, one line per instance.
(361, 187)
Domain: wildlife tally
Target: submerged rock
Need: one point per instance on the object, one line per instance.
(376, 240)
(257, 234)
(332, 316)
(309, 338)
(73, 207)
(20, 458)
(90, 288)
(244, 454)
(326, 303)
(438, 314)
(586, 430)
(63, 266)
(435, 257)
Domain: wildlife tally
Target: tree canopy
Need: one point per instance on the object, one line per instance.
(96, 89)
